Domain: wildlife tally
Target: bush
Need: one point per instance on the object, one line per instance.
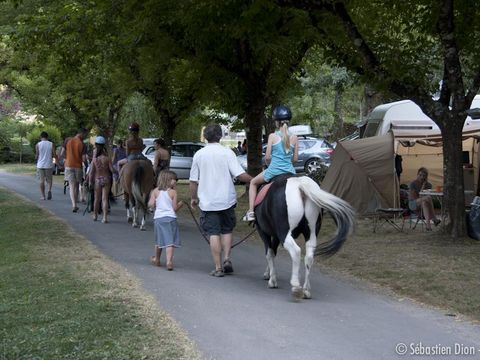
(53, 135)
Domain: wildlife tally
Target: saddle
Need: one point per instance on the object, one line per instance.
(262, 192)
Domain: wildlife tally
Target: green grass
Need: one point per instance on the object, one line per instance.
(61, 299)
(19, 168)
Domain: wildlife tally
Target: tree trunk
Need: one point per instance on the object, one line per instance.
(269, 126)
(454, 198)
(168, 131)
(254, 114)
(371, 99)
(337, 114)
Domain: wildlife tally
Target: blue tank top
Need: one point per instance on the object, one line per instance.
(281, 161)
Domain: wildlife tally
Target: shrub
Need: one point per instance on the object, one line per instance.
(53, 135)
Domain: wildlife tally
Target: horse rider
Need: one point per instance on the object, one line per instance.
(282, 152)
(134, 146)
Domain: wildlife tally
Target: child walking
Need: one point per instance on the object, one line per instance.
(100, 177)
(164, 199)
(282, 150)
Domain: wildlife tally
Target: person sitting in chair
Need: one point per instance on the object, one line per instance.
(424, 203)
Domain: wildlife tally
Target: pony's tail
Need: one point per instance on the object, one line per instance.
(342, 212)
(137, 187)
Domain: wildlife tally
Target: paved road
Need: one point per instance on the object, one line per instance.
(237, 317)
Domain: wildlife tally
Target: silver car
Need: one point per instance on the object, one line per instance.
(181, 156)
(313, 153)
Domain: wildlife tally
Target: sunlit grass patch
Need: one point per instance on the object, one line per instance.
(60, 298)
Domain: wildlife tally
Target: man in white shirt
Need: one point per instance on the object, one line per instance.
(212, 189)
(44, 154)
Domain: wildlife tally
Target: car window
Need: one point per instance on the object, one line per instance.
(185, 150)
(305, 144)
(326, 144)
(179, 150)
(150, 150)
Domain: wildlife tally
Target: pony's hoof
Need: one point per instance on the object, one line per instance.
(129, 219)
(134, 225)
(306, 294)
(297, 293)
(272, 284)
(266, 276)
(142, 228)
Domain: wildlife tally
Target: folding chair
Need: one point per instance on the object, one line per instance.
(388, 215)
(417, 215)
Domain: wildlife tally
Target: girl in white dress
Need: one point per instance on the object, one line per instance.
(164, 199)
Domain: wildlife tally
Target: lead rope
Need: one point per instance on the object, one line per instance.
(205, 235)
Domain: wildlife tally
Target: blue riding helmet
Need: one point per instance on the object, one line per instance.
(100, 140)
(281, 113)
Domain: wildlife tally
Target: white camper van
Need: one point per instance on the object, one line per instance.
(405, 118)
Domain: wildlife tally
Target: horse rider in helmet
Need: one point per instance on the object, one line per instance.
(282, 151)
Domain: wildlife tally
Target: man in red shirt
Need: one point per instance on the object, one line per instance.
(75, 155)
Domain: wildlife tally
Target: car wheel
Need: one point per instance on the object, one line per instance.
(313, 165)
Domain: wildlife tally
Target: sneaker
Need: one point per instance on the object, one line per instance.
(249, 216)
(217, 273)
(49, 195)
(227, 266)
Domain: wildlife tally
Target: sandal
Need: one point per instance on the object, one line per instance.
(217, 273)
(227, 266)
(249, 216)
(154, 262)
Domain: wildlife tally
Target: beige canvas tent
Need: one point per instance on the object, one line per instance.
(430, 154)
(363, 173)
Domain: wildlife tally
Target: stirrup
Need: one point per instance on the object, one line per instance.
(249, 216)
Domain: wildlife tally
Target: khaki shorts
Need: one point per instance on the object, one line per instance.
(74, 175)
(45, 174)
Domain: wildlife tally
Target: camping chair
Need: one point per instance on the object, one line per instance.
(417, 216)
(387, 215)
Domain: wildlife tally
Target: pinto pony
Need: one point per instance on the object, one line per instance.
(137, 179)
(293, 206)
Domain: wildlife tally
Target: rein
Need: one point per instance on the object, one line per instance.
(205, 235)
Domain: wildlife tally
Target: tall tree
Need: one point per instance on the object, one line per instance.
(414, 49)
(250, 56)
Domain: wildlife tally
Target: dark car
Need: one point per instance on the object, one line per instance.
(181, 156)
(313, 153)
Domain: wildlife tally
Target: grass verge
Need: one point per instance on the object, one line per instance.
(62, 299)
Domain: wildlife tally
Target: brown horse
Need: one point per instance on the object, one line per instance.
(137, 179)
